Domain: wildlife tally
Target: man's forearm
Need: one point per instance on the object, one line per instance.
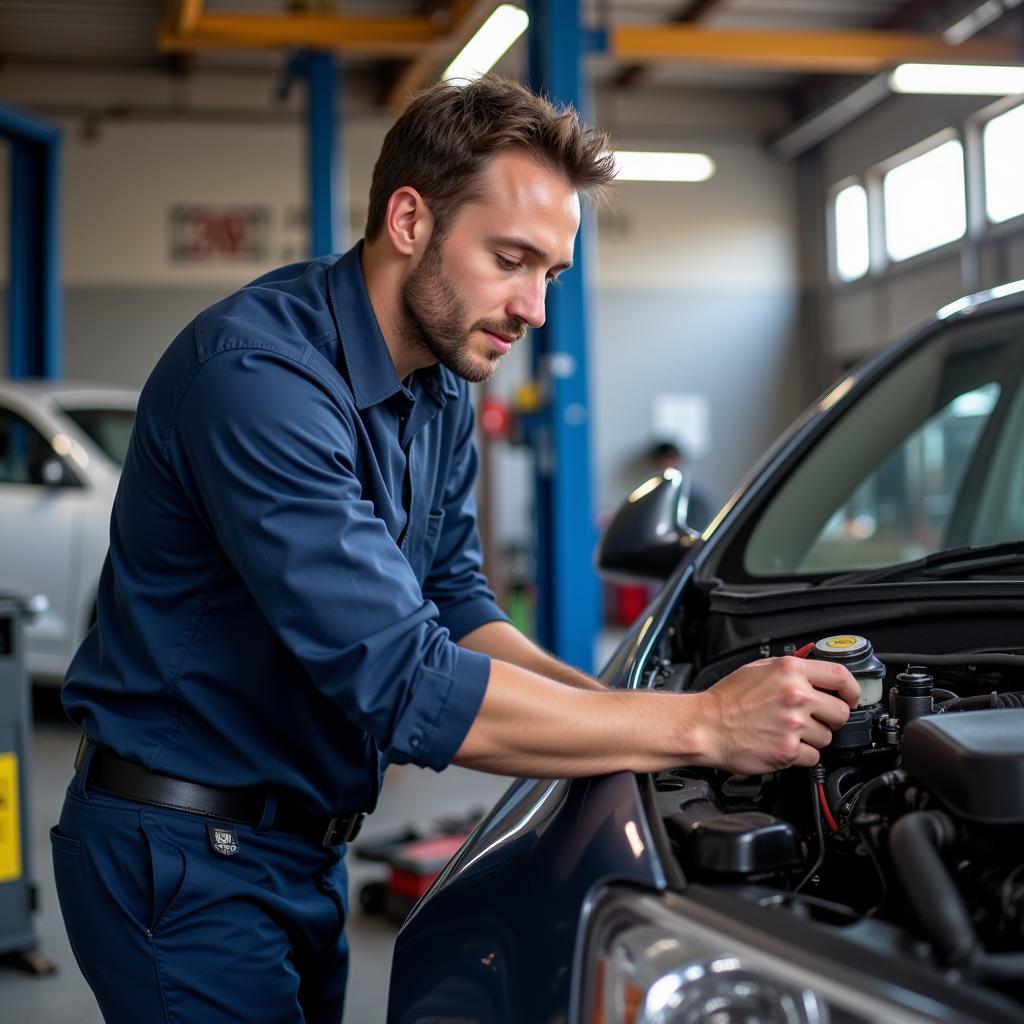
(765, 716)
(530, 726)
(503, 641)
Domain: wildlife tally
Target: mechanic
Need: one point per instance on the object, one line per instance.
(293, 596)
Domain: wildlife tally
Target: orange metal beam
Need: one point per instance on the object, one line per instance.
(839, 52)
(187, 15)
(375, 37)
(464, 18)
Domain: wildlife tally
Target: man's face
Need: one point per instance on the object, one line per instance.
(476, 291)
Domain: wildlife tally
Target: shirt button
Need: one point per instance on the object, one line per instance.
(414, 741)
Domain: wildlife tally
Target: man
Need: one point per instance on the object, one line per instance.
(293, 595)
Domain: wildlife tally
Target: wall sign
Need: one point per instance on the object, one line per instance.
(221, 234)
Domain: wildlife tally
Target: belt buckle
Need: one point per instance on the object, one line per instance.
(342, 830)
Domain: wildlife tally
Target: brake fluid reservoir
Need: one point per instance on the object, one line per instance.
(857, 655)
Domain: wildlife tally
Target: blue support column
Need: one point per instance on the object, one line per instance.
(328, 214)
(34, 347)
(567, 598)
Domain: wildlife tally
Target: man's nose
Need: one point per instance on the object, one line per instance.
(528, 304)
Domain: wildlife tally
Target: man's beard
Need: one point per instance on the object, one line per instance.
(433, 318)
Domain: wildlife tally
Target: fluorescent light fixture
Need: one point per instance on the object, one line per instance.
(489, 44)
(958, 79)
(638, 166)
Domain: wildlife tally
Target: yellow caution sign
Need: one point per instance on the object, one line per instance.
(10, 819)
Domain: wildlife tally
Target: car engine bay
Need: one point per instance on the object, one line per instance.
(908, 835)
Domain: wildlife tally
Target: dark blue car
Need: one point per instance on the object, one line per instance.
(885, 530)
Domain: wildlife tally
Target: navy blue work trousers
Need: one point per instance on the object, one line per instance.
(167, 929)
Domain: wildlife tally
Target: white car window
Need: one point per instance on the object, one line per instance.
(25, 455)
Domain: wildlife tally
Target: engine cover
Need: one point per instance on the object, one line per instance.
(972, 760)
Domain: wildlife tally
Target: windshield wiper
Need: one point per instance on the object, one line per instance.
(956, 562)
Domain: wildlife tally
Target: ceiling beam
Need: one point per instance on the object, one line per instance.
(822, 52)
(689, 14)
(463, 18)
(365, 36)
(185, 15)
(427, 44)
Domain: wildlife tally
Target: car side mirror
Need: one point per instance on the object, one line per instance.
(648, 534)
(55, 472)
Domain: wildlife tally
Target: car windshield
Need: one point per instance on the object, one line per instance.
(109, 429)
(929, 459)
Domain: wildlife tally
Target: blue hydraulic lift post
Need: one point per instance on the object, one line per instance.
(328, 220)
(567, 586)
(34, 346)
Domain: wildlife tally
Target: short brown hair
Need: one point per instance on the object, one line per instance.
(449, 132)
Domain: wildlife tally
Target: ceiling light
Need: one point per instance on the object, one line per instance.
(489, 44)
(958, 79)
(637, 166)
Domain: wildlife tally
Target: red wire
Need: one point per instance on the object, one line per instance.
(825, 809)
(802, 652)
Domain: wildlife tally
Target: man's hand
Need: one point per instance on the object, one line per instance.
(774, 713)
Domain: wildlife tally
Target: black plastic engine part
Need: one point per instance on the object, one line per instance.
(745, 844)
(859, 730)
(973, 762)
(911, 697)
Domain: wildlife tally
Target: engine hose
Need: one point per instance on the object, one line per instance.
(985, 700)
(886, 781)
(915, 841)
(998, 966)
(836, 788)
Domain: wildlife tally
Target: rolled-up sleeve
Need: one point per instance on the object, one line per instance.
(456, 583)
(268, 447)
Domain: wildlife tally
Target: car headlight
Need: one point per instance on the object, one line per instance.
(662, 959)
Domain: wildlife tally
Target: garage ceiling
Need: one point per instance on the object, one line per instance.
(126, 32)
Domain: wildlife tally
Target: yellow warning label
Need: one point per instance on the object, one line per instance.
(839, 643)
(10, 819)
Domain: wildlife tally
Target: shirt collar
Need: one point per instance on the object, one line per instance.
(361, 344)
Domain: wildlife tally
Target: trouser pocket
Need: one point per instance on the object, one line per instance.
(169, 872)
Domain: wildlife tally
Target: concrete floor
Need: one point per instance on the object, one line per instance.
(410, 794)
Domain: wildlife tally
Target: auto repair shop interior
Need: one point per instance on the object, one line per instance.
(815, 233)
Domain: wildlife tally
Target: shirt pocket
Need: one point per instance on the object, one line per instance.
(421, 553)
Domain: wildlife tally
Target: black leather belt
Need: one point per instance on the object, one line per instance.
(118, 777)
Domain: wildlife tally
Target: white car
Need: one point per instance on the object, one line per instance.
(62, 445)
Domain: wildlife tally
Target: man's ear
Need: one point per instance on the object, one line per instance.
(408, 221)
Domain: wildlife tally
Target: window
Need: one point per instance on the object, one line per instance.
(851, 233)
(925, 201)
(901, 510)
(1003, 143)
(928, 459)
(109, 429)
(25, 455)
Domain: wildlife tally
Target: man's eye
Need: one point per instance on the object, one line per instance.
(507, 264)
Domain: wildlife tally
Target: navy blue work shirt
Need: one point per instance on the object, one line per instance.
(293, 554)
